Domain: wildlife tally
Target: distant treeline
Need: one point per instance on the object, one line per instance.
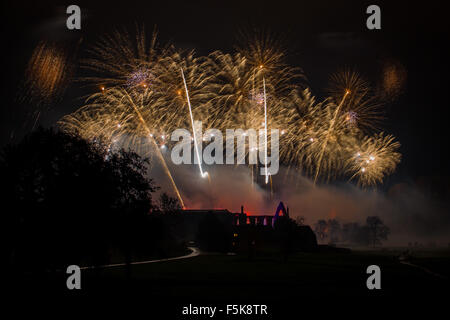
(372, 233)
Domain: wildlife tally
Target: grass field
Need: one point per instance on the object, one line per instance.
(216, 278)
(326, 282)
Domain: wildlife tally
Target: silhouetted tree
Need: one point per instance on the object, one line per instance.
(69, 202)
(169, 205)
(321, 229)
(334, 230)
(377, 230)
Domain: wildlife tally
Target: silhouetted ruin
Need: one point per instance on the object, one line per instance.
(245, 231)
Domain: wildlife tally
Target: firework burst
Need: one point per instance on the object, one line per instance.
(393, 80)
(266, 51)
(373, 158)
(361, 107)
(144, 98)
(47, 76)
(119, 59)
(315, 135)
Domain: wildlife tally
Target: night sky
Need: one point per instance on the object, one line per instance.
(321, 37)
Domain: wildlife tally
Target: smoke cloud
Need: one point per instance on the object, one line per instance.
(410, 214)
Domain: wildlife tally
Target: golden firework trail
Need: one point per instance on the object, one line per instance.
(328, 135)
(203, 174)
(160, 156)
(265, 130)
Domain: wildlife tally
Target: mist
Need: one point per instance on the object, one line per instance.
(411, 215)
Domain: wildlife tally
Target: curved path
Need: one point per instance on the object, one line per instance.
(424, 269)
(195, 252)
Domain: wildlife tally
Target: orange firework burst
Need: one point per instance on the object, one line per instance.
(46, 74)
(393, 80)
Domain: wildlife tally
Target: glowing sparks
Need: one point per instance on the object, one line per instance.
(46, 73)
(362, 107)
(47, 76)
(377, 158)
(329, 133)
(139, 77)
(393, 80)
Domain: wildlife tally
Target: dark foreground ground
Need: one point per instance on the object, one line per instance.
(324, 281)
